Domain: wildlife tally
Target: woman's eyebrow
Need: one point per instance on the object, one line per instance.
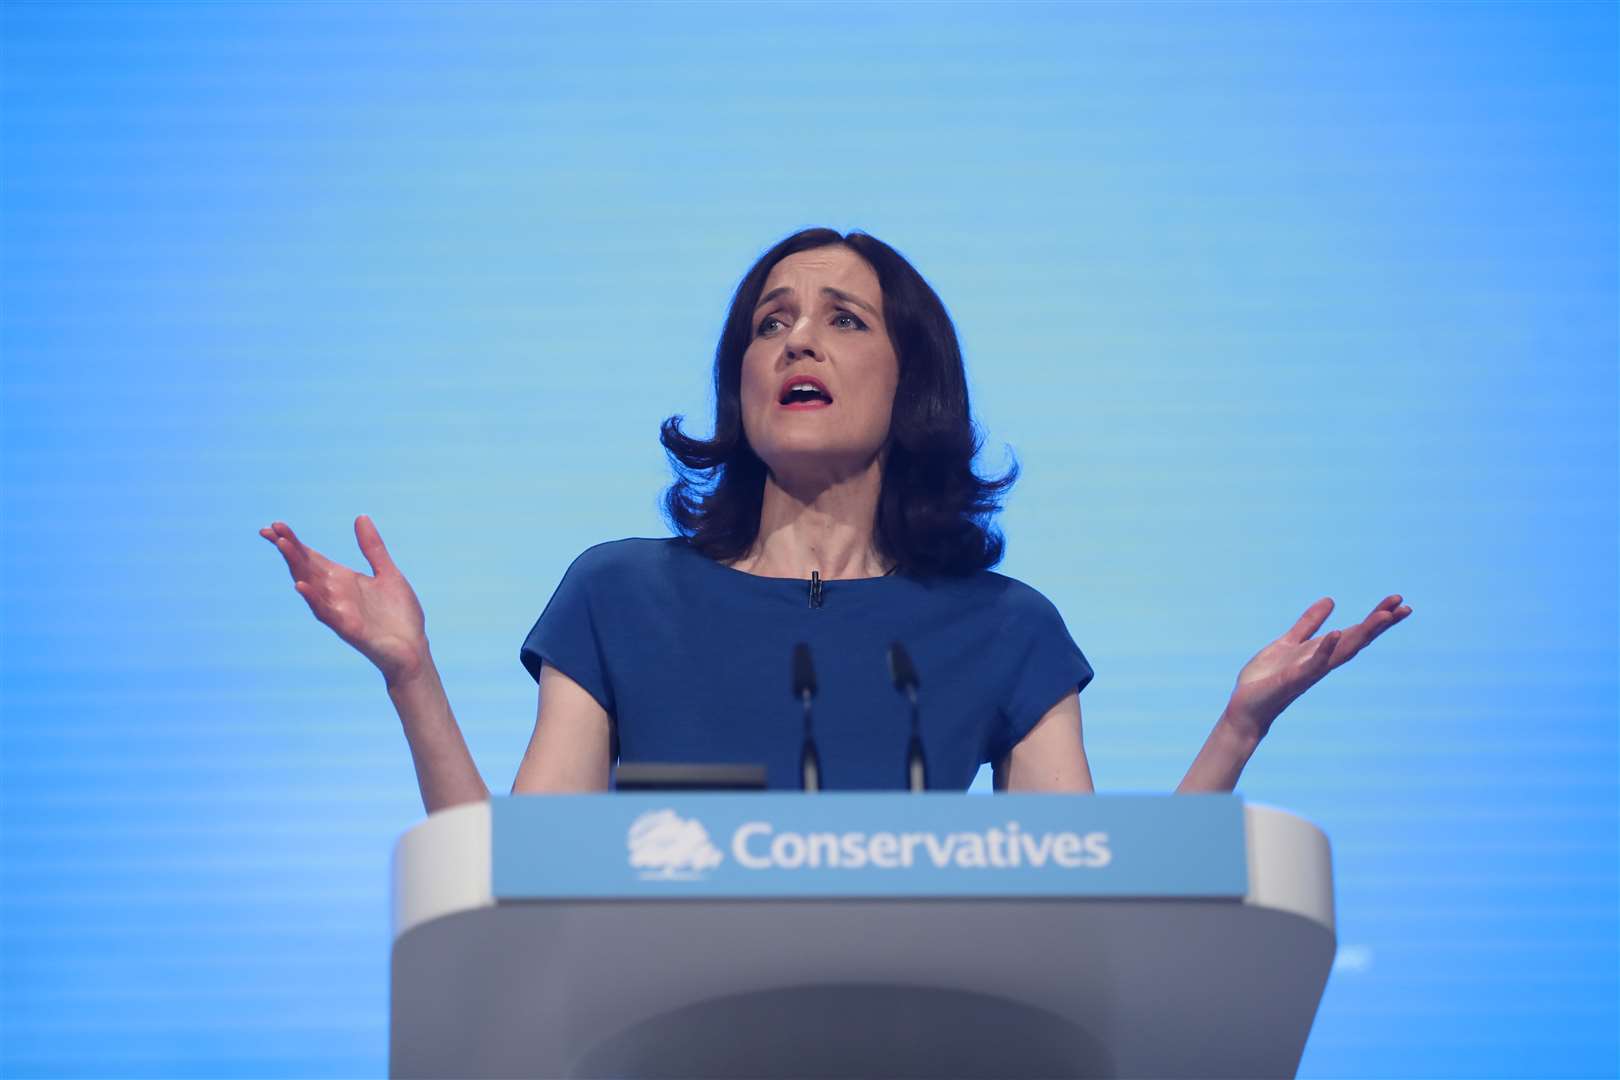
(826, 290)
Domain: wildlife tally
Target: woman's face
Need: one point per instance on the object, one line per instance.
(819, 317)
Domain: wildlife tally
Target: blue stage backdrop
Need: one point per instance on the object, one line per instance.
(1271, 302)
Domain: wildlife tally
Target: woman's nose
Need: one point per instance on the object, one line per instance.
(801, 339)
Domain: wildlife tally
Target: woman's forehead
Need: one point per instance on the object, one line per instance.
(831, 265)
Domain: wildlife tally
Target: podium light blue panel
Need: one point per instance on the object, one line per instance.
(665, 845)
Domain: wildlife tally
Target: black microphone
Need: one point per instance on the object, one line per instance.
(804, 688)
(904, 674)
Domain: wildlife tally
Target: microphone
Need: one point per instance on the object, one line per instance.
(904, 674)
(804, 688)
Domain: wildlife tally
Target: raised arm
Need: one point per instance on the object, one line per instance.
(445, 771)
(1221, 759)
(1271, 681)
(380, 617)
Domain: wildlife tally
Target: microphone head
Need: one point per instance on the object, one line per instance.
(900, 667)
(804, 673)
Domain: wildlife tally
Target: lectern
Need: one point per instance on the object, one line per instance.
(837, 934)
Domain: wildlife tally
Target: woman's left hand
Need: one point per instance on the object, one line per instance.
(1294, 663)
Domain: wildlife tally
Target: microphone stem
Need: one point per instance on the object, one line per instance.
(809, 758)
(917, 763)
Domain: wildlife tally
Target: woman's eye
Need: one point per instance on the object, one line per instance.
(765, 323)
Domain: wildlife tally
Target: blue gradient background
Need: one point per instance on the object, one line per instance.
(1271, 302)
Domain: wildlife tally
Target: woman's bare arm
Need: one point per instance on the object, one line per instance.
(571, 748)
(444, 768)
(1220, 761)
(1052, 757)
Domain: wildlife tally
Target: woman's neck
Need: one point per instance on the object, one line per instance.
(826, 526)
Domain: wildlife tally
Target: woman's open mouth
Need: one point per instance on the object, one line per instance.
(804, 392)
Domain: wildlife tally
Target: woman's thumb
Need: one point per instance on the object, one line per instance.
(371, 545)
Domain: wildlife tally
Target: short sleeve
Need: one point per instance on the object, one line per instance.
(1046, 667)
(568, 635)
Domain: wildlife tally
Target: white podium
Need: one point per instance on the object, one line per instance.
(807, 985)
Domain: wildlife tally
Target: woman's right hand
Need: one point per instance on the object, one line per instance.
(378, 615)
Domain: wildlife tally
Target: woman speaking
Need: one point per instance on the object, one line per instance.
(836, 505)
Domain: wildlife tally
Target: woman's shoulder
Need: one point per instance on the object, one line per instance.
(629, 554)
(1009, 598)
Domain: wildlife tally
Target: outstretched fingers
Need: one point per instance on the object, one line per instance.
(278, 533)
(371, 546)
(1389, 611)
(301, 560)
(1323, 656)
(1310, 622)
(1384, 615)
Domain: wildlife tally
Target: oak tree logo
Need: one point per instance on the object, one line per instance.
(665, 846)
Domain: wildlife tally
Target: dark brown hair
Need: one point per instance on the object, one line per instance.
(933, 515)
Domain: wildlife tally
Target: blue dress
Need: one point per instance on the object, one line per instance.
(693, 660)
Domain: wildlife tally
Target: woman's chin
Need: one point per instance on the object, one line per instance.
(813, 467)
